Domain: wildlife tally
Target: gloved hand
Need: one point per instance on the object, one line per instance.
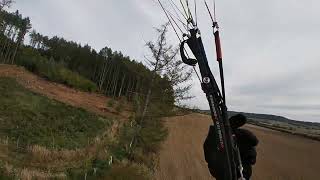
(246, 141)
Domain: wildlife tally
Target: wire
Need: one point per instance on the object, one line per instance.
(164, 10)
(174, 6)
(170, 18)
(214, 11)
(212, 19)
(184, 25)
(170, 15)
(190, 14)
(195, 12)
(194, 68)
(184, 9)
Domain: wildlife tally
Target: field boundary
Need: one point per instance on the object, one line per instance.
(286, 131)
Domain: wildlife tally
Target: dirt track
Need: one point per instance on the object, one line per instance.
(280, 156)
(91, 101)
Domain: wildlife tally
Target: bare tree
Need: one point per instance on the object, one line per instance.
(163, 62)
(5, 3)
(179, 75)
(159, 59)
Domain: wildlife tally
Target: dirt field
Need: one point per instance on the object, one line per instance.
(91, 101)
(280, 156)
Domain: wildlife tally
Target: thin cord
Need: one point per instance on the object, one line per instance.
(183, 24)
(212, 19)
(195, 12)
(194, 68)
(169, 20)
(184, 9)
(214, 11)
(175, 7)
(172, 25)
(190, 14)
(169, 14)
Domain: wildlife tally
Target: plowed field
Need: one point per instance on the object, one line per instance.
(281, 156)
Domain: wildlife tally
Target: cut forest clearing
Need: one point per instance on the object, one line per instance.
(45, 128)
(90, 101)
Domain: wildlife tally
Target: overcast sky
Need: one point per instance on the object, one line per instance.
(271, 48)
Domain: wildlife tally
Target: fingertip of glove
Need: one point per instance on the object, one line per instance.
(237, 121)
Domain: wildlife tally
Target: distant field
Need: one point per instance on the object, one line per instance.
(302, 128)
(281, 156)
(307, 130)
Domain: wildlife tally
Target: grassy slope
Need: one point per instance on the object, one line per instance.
(35, 119)
(53, 71)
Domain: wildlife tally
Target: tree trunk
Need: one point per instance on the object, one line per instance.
(116, 84)
(10, 49)
(19, 42)
(7, 43)
(135, 84)
(128, 87)
(109, 84)
(112, 82)
(94, 78)
(107, 69)
(154, 73)
(121, 86)
(102, 76)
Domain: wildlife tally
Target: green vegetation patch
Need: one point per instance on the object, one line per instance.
(29, 118)
(54, 71)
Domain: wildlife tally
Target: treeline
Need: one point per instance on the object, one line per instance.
(115, 75)
(106, 71)
(13, 28)
(74, 64)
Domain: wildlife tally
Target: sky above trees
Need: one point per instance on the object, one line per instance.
(270, 47)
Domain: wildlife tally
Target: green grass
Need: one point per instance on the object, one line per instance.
(54, 71)
(34, 119)
(110, 103)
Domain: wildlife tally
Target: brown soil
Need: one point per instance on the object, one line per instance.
(280, 155)
(91, 101)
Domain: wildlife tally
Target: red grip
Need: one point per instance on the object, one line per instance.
(218, 46)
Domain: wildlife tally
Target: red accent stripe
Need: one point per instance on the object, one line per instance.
(218, 46)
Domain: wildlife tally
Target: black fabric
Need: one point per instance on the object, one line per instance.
(246, 142)
(215, 164)
(237, 121)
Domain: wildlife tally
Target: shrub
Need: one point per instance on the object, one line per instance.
(53, 71)
(153, 133)
(132, 172)
(110, 103)
(119, 107)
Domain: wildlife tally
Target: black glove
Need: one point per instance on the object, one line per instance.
(246, 141)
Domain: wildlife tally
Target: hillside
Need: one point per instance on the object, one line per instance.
(276, 118)
(49, 130)
(280, 155)
(75, 112)
(71, 111)
(92, 101)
